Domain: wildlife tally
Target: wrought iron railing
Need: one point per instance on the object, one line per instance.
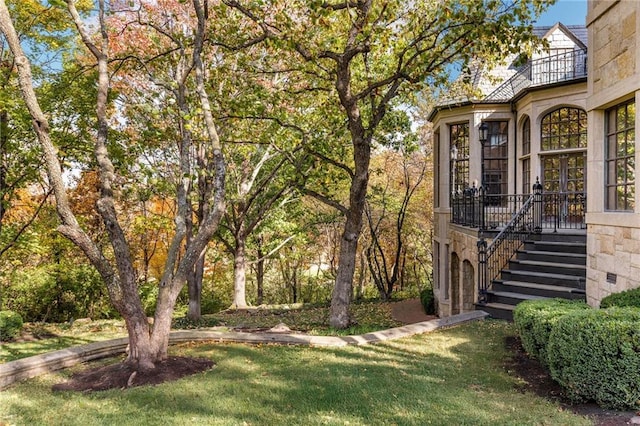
(476, 209)
(559, 67)
(550, 69)
(493, 258)
(516, 218)
(564, 210)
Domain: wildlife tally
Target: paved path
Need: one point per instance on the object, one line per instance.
(25, 368)
(410, 311)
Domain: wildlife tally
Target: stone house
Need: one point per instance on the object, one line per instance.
(534, 192)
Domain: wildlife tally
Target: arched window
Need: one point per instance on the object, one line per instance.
(526, 162)
(564, 128)
(526, 136)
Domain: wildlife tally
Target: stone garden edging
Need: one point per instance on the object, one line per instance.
(25, 368)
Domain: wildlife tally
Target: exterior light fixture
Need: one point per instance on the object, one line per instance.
(483, 136)
(484, 133)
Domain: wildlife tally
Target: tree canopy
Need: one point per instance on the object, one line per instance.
(267, 128)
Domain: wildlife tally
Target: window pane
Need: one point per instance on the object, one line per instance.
(459, 166)
(564, 128)
(620, 157)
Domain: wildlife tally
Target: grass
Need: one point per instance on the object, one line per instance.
(39, 338)
(314, 319)
(368, 317)
(452, 376)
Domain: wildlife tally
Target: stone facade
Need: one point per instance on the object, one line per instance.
(613, 238)
(613, 234)
(613, 259)
(612, 27)
(456, 267)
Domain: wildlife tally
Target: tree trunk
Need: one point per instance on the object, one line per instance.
(294, 286)
(342, 293)
(343, 289)
(240, 274)
(361, 277)
(260, 273)
(194, 282)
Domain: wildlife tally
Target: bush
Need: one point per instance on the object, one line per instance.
(622, 299)
(10, 325)
(595, 356)
(58, 293)
(428, 301)
(534, 320)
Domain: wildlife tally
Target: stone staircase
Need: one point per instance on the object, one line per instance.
(552, 266)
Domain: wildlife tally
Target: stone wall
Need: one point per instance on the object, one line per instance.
(464, 292)
(613, 237)
(613, 43)
(613, 261)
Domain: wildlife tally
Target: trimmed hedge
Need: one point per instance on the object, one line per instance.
(624, 298)
(534, 320)
(10, 325)
(595, 356)
(428, 301)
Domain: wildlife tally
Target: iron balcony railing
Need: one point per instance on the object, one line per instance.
(552, 69)
(476, 209)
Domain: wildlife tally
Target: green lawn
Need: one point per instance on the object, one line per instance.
(450, 377)
(40, 338)
(368, 316)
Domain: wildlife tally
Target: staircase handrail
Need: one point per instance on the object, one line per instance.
(494, 257)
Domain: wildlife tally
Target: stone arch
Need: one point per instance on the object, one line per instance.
(455, 284)
(468, 286)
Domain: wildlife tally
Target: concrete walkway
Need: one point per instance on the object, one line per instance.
(25, 368)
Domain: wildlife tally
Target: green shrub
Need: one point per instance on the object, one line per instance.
(534, 320)
(58, 293)
(428, 301)
(624, 298)
(595, 356)
(10, 325)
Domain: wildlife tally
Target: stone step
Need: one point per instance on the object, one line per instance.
(549, 256)
(497, 310)
(543, 290)
(510, 298)
(548, 267)
(556, 246)
(562, 280)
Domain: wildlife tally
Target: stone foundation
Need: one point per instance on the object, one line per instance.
(613, 261)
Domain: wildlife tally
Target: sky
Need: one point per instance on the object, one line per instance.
(569, 12)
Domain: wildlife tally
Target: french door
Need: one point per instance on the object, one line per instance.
(564, 183)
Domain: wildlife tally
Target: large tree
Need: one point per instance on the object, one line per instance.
(148, 342)
(371, 55)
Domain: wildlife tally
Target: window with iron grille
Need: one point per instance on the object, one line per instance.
(620, 157)
(564, 128)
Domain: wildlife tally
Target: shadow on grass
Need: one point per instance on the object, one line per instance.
(453, 376)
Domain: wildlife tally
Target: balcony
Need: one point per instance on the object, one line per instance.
(476, 209)
(549, 70)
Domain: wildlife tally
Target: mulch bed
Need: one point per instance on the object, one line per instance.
(536, 379)
(119, 375)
